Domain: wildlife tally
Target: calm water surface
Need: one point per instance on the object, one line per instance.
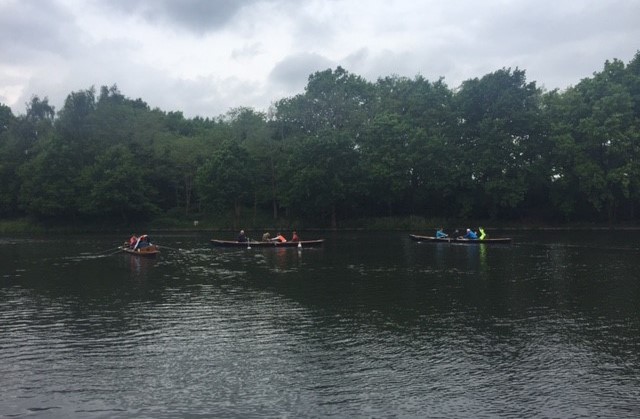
(370, 325)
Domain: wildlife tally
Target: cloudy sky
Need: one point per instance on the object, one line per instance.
(205, 57)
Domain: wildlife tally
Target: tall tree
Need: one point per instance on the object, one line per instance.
(597, 141)
(50, 183)
(118, 187)
(323, 176)
(498, 121)
(10, 157)
(226, 179)
(334, 109)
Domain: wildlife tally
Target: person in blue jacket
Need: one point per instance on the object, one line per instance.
(471, 235)
(440, 234)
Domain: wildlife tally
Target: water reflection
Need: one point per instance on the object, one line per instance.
(139, 266)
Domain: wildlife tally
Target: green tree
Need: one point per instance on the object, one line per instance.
(386, 161)
(424, 124)
(596, 144)
(226, 180)
(9, 162)
(498, 122)
(75, 126)
(50, 185)
(252, 132)
(323, 176)
(334, 109)
(118, 187)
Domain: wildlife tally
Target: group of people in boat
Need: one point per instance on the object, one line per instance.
(242, 237)
(469, 234)
(139, 242)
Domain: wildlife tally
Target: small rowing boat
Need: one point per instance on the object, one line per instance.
(503, 240)
(150, 250)
(140, 246)
(301, 243)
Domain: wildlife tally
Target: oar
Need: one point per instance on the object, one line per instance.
(104, 251)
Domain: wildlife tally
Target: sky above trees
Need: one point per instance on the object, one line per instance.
(205, 57)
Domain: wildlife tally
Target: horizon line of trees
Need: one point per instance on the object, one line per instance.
(497, 147)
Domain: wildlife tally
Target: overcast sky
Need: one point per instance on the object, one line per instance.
(205, 57)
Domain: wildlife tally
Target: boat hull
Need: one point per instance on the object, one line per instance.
(502, 240)
(148, 251)
(302, 243)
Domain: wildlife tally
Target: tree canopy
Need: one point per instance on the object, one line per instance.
(496, 147)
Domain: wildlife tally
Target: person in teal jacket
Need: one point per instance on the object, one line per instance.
(440, 234)
(471, 235)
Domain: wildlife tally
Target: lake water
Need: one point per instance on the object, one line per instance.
(370, 325)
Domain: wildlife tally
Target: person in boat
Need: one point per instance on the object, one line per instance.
(482, 233)
(440, 234)
(143, 241)
(471, 235)
(242, 238)
(279, 237)
(266, 237)
(132, 241)
(294, 237)
(456, 234)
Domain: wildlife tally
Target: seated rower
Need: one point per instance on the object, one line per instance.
(440, 234)
(279, 237)
(143, 241)
(471, 235)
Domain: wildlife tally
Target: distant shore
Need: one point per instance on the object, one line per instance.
(408, 224)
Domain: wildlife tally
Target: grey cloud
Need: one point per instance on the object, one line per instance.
(293, 72)
(28, 28)
(198, 16)
(518, 26)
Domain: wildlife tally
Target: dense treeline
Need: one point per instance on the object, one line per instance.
(497, 147)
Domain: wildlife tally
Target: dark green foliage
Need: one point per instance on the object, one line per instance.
(496, 147)
(118, 185)
(227, 179)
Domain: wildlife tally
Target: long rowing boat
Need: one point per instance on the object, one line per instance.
(502, 240)
(301, 243)
(150, 250)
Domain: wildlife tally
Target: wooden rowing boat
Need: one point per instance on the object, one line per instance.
(302, 243)
(150, 250)
(502, 240)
